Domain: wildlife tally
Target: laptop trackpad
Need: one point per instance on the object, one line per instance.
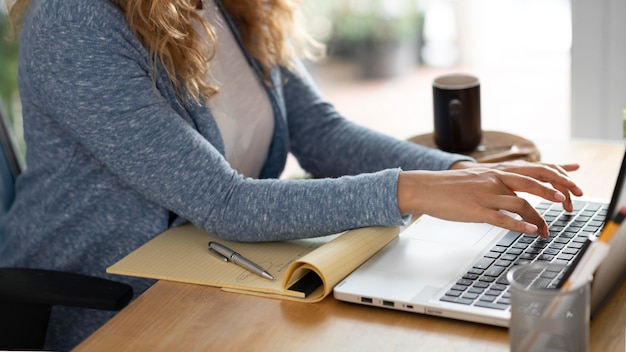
(427, 228)
(427, 257)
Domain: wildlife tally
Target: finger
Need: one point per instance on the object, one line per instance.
(569, 187)
(552, 173)
(557, 176)
(569, 167)
(562, 169)
(510, 223)
(532, 221)
(521, 183)
(560, 178)
(564, 172)
(568, 205)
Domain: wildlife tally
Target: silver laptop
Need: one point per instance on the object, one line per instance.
(458, 270)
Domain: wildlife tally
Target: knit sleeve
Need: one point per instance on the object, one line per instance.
(327, 144)
(92, 80)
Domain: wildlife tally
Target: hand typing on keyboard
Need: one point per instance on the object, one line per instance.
(485, 284)
(473, 192)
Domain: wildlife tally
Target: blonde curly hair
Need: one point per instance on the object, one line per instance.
(272, 31)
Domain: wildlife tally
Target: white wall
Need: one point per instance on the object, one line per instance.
(598, 68)
(521, 51)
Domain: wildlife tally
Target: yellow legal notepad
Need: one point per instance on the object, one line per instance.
(181, 254)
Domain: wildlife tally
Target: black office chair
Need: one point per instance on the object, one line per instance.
(27, 295)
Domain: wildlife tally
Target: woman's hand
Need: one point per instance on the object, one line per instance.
(474, 192)
(550, 173)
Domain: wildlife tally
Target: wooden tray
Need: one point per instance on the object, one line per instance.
(494, 146)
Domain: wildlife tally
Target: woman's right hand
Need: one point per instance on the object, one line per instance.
(477, 194)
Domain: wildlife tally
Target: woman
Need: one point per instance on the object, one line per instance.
(140, 115)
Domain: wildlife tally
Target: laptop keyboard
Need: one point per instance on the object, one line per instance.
(485, 284)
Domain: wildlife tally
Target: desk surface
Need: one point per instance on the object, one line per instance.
(176, 316)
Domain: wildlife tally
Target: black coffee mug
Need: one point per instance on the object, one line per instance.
(456, 99)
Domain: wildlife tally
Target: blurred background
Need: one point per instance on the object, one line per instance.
(383, 55)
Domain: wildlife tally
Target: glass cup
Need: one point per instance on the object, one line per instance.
(544, 318)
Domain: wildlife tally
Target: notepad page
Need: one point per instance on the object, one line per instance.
(338, 258)
(181, 254)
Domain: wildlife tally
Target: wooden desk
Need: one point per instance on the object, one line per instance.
(183, 317)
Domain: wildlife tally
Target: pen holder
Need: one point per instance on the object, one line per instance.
(544, 318)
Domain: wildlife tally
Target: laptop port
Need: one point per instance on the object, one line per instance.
(388, 303)
(366, 300)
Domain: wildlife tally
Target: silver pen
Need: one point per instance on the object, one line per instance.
(226, 254)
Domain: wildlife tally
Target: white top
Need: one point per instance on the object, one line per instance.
(241, 108)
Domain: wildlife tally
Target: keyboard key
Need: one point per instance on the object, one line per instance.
(459, 300)
(561, 240)
(502, 280)
(499, 249)
(454, 293)
(464, 282)
(487, 298)
(470, 276)
(493, 293)
(532, 250)
(504, 301)
(575, 245)
(481, 284)
(475, 271)
(503, 263)
(545, 257)
(508, 256)
(570, 251)
(491, 305)
(476, 290)
(542, 242)
(549, 274)
(471, 296)
(494, 271)
(508, 239)
(514, 251)
(492, 255)
(593, 206)
(498, 287)
(460, 288)
(483, 263)
(526, 239)
(520, 245)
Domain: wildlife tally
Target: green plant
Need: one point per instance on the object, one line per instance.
(9, 92)
(8, 64)
(377, 19)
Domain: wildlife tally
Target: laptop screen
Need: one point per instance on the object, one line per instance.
(612, 270)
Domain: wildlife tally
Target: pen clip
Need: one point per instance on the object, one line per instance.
(218, 255)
